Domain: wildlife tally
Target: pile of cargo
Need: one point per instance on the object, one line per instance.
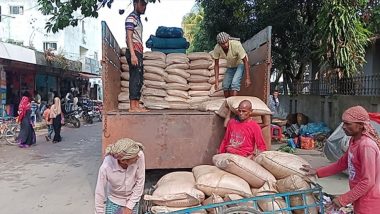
(124, 82)
(234, 177)
(168, 40)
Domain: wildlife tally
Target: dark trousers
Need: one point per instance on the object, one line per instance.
(57, 128)
(136, 77)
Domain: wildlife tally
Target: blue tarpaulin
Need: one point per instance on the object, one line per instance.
(312, 129)
(167, 43)
(169, 32)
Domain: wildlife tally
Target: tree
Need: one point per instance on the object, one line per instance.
(191, 25)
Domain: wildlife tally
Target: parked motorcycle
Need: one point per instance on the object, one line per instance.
(87, 114)
(72, 118)
(97, 109)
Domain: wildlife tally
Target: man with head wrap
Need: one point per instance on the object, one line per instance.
(237, 63)
(362, 161)
(123, 172)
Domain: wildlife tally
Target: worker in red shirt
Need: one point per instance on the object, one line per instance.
(243, 135)
(362, 161)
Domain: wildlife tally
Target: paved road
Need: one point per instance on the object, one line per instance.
(51, 178)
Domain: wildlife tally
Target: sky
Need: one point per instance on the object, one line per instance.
(165, 13)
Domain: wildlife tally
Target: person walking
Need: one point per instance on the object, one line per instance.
(49, 122)
(56, 115)
(27, 136)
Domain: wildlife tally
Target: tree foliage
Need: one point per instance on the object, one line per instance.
(191, 25)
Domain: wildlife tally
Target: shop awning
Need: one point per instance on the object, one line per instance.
(88, 75)
(17, 53)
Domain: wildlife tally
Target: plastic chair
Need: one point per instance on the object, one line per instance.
(276, 132)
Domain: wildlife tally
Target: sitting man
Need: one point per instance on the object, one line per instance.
(243, 135)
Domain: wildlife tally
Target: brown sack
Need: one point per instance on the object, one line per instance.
(179, 105)
(222, 71)
(124, 84)
(266, 204)
(155, 55)
(123, 106)
(154, 92)
(124, 89)
(222, 64)
(213, 199)
(173, 60)
(124, 68)
(155, 70)
(154, 63)
(198, 93)
(259, 108)
(234, 197)
(153, 77)
(171, 78)
(243, 167)
(151, 104)
(179, 72)
(200, 72)
(178, 93)
(199, 55)
(177, 55)
(123, 97)
(200, 86)
(164, 209)
(200, 64)
(152, 98)
(124, 75)
(123, 51)
(176, 99)
(198, 79)
(178, 66)
(212, 105)
(177, 86)
(213, 78)
(123, 60)
(154, 84)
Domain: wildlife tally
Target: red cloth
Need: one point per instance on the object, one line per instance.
(363, 163)
(23, 107)
(241, 138)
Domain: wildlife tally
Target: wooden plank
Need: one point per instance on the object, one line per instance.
(257, 40)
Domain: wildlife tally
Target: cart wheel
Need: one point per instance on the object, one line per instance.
(241, 210)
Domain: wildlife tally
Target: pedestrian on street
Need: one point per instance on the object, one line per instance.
(123, 172)
(134, 54)
(49, 123)
(27, 136)
(56, 115)
(362, 161)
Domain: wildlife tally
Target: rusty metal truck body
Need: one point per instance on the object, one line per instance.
(177, 138)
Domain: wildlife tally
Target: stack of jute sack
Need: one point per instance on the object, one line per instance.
(235, 177)
(154, 92)
(177, 86)
(222, 71)
(259, 108)
(123, 97)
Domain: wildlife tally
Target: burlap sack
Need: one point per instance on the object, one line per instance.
(154, 63)
(258, 106)
(177, 86)
(176, 99)
(124, 68)
(198, 100)
(123, 51)
(152, 98)
(123, 106)
(124, 84)
(198, 93)
(222, 64)
(122, 89)
(212, 79)
(155, 55)
(234, 197)
(211, 179)
(178, 66)
(164, 209)
(281, 164)
(123, 60)
(254, 191)
(153, 77)
(171, 78)
(123, 97)
(212, 105)
(124, 75)
(199, 55)
(154, 84)
(213, 199)
(180, 72)
(173, 60)
(245, 168)
(200, 72)
(266, 204)
(178, 93)
(155, 70)
(150, 104)
(179, 105)
(200, 86)
(154, 92)
(219, 93)
(200, 64)
(222, 71)
(177, 55)
(198, 78)
(296, 183)
(176, 189)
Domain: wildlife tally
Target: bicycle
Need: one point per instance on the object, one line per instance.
(9, 130)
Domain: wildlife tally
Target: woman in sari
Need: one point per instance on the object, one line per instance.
(27, 136)
(56, 115)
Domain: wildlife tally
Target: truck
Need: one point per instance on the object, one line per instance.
(178, 139)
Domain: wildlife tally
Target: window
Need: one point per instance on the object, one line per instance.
(50, 45)
(16, 10)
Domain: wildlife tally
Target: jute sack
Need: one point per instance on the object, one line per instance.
(171, 78)
(177, 86)
(254, 191)
(164, 209)
(123, 97)
(124, 83)
(154, 92)
(198, 100)
(296, 183)
(212, 105)
(266, 204)
(243, 167)
(179, 105)
(219, 93)
(175, 60)
(155, 55)
(176, 99)
(281, 164)
(199, 55)
(178, 66)
(155, 70)
(213, 199)
(200, 64)
(122, 89)
(123, 51)
(123, 106)
(212, 80)
(198, 93)
(153, 77)
(176, 55)
(222, 64)
(124, 68)
(154, 84)
(234, 197)
(152, 98)
(222, 71)
(154, 63)
(258, 106)
(200, 72)
(198, 78)
(123, 60)
(200, 86)
(223, 111)
(211, 179)
(124, 75)
(176, 189)
(179, 72)
(150, 104)
(178, 93)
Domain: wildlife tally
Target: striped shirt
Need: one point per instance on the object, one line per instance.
(133, 22)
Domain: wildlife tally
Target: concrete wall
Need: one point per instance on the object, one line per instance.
(328, 109)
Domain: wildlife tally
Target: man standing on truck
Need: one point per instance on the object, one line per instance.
(243, 135)
(237, 63)
(134, 54)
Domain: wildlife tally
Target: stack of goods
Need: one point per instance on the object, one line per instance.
(222, 70)
(168, 40)
(235, 177)
(123, 97)
(154, 91)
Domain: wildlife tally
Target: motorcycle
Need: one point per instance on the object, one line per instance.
(97, 109)
(87, 114)
(72, 118)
